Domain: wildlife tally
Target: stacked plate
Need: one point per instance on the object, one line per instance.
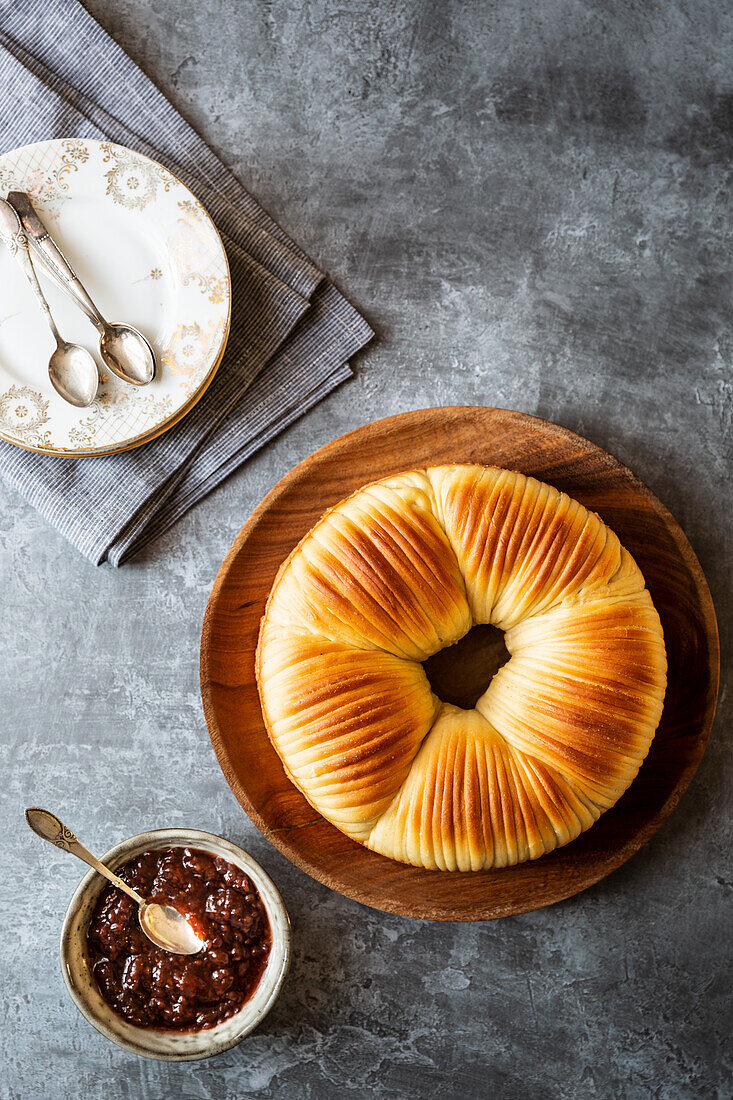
(150, 256)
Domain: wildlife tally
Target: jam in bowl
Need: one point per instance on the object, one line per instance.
(161, 1004)
(155, 988)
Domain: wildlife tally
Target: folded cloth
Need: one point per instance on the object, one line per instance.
(292, 333)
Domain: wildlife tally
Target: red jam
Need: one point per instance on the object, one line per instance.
(154, 988)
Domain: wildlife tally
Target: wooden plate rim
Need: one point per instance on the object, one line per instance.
(603, 867)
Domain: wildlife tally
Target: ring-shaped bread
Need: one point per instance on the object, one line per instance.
(404, 567)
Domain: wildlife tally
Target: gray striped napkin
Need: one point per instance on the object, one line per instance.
(292, 332)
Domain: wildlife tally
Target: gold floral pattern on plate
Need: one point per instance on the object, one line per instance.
(215, 289)
(109, 407)
(22, 409)
(189, 344)
(133, 181)
(191, 254)
(47, 178)
(170, 279)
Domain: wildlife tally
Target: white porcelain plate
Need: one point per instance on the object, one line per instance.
(149, 255)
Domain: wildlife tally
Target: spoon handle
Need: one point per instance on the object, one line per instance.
(13, 235)
(54, 261)
(48, 826)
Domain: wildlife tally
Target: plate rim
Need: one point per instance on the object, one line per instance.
(605, 866)
(174, 418)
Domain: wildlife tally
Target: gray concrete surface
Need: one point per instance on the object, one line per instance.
(530, 202)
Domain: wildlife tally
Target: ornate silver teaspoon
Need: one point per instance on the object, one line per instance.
(124, 350)
(71, 368)
(162, 924)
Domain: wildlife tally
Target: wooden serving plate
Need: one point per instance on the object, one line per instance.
(425, 438)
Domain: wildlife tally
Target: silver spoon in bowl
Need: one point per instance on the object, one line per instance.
(71, 368)
(123, 349)
(162, 924)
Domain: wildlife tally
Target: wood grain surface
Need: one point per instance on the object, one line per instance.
(425, 438)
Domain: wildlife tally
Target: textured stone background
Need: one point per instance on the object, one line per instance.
(530, 203)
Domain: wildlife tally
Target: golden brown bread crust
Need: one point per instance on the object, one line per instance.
(405, 567)
(376, 572)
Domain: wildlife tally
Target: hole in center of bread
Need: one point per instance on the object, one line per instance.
(461, 673)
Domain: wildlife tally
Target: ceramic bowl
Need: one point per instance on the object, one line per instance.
(171, 1046)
